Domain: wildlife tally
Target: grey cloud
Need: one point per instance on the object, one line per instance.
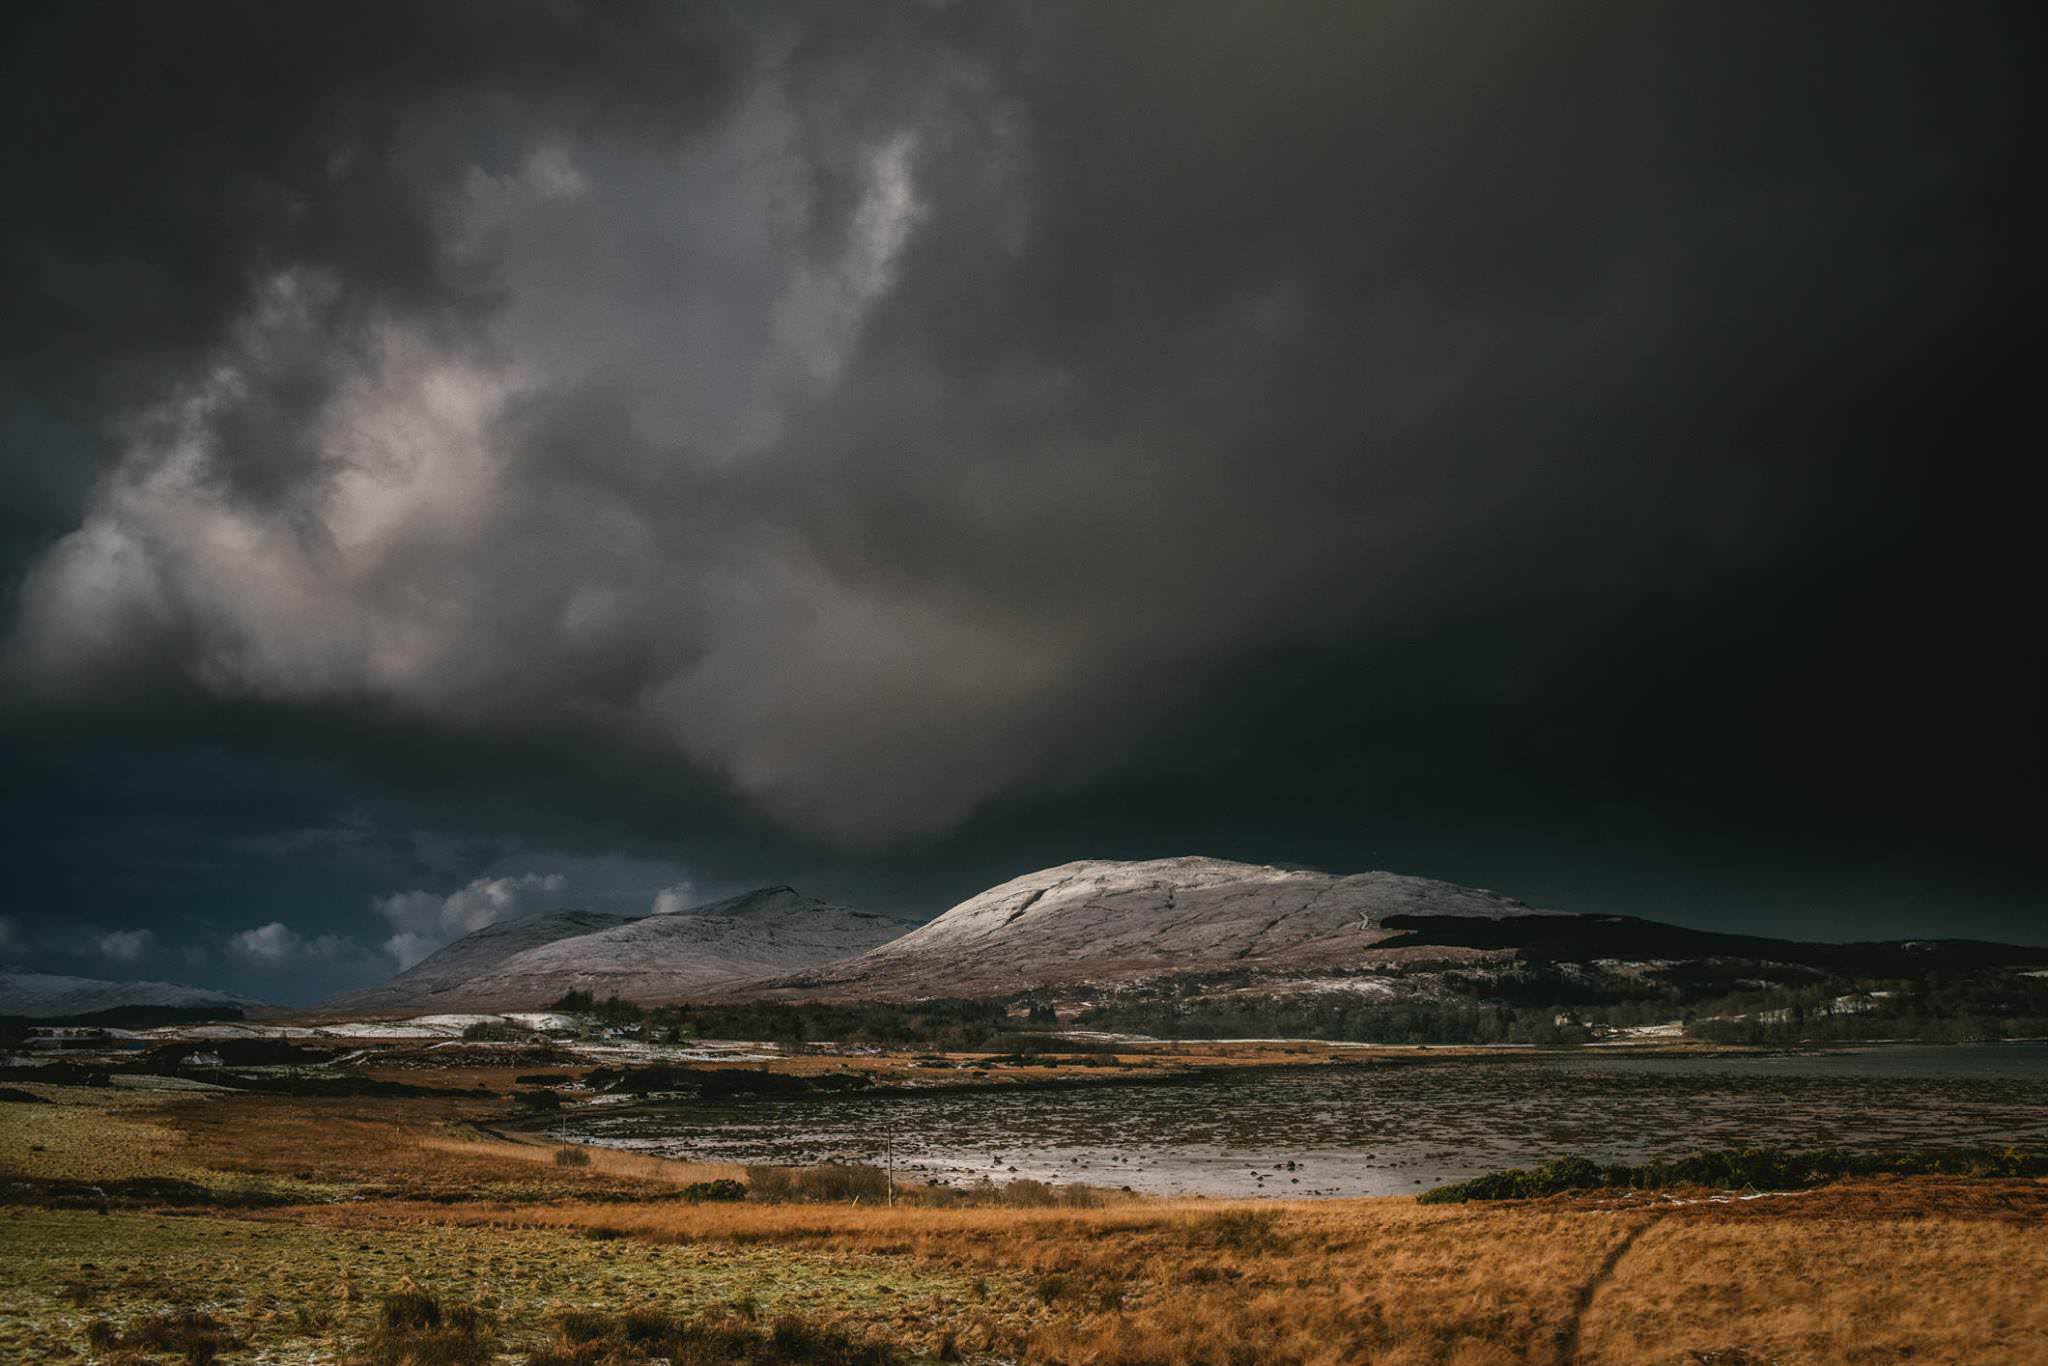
(126, 946)
(276, 945)
(929, 408)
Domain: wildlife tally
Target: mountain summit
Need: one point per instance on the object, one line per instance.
(1105, 920)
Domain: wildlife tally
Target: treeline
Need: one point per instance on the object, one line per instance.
(1933, 1009)
(1531, 1003)
(1541, 1004)
(956, 1024)
(1339, 1021)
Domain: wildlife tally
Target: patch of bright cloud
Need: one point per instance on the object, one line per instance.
(678, 896)
(126, 946)
(423, 921)
(277, 944)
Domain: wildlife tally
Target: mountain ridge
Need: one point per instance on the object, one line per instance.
(1095, 919)
(41, 995)
(760, 933)
(1094, 930)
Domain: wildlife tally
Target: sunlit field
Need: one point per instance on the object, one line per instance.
(195, 1226)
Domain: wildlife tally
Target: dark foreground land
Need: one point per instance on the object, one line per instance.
(154, 1221)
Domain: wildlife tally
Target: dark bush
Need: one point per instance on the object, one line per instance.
(833, 1181)
(722, 1189)
(409, 1309)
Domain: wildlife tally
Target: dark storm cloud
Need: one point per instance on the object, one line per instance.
(912, 443)
(162, 161)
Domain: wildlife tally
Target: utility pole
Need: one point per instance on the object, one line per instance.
(891, 1131)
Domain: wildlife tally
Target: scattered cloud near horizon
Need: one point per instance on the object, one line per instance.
(126, 946)
(677, 897)
(278, 944)
(423, 921)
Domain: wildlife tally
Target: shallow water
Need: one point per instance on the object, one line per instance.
(1383, 1129)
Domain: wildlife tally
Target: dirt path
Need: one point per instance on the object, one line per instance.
(1568, 1341)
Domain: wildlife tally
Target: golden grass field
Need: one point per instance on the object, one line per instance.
(388, 1194)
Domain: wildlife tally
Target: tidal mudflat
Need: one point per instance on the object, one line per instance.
(1378, 1129)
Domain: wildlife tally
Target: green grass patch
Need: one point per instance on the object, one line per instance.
(311, 1291)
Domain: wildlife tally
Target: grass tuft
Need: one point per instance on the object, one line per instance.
(192, 1336)
(413, 1329)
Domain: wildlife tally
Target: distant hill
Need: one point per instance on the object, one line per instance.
(449, 970)
(706, 949)
(47, 995)
(1194, 944)
(1198, 942)
(1101, 920)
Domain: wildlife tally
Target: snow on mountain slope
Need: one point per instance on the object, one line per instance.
(45, 994)
(666, 957)
(452, 966)
(1100, 920)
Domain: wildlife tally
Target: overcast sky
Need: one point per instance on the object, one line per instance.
(472, 458)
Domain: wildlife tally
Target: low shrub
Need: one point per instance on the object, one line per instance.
(1025, 1193)
(571, 1157)
(403, 1309)
(832, 1181)
(840, 1181)
(722, 1189)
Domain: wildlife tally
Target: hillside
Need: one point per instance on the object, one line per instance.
(1197, 944)
(450, 969)
(1202, 945)
(1101, 921)
(703, 949)
(47, 995)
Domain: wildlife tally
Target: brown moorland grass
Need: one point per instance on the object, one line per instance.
(1927, 1269)
(1840, 1277)
(406, 1148)
(601, 1161)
